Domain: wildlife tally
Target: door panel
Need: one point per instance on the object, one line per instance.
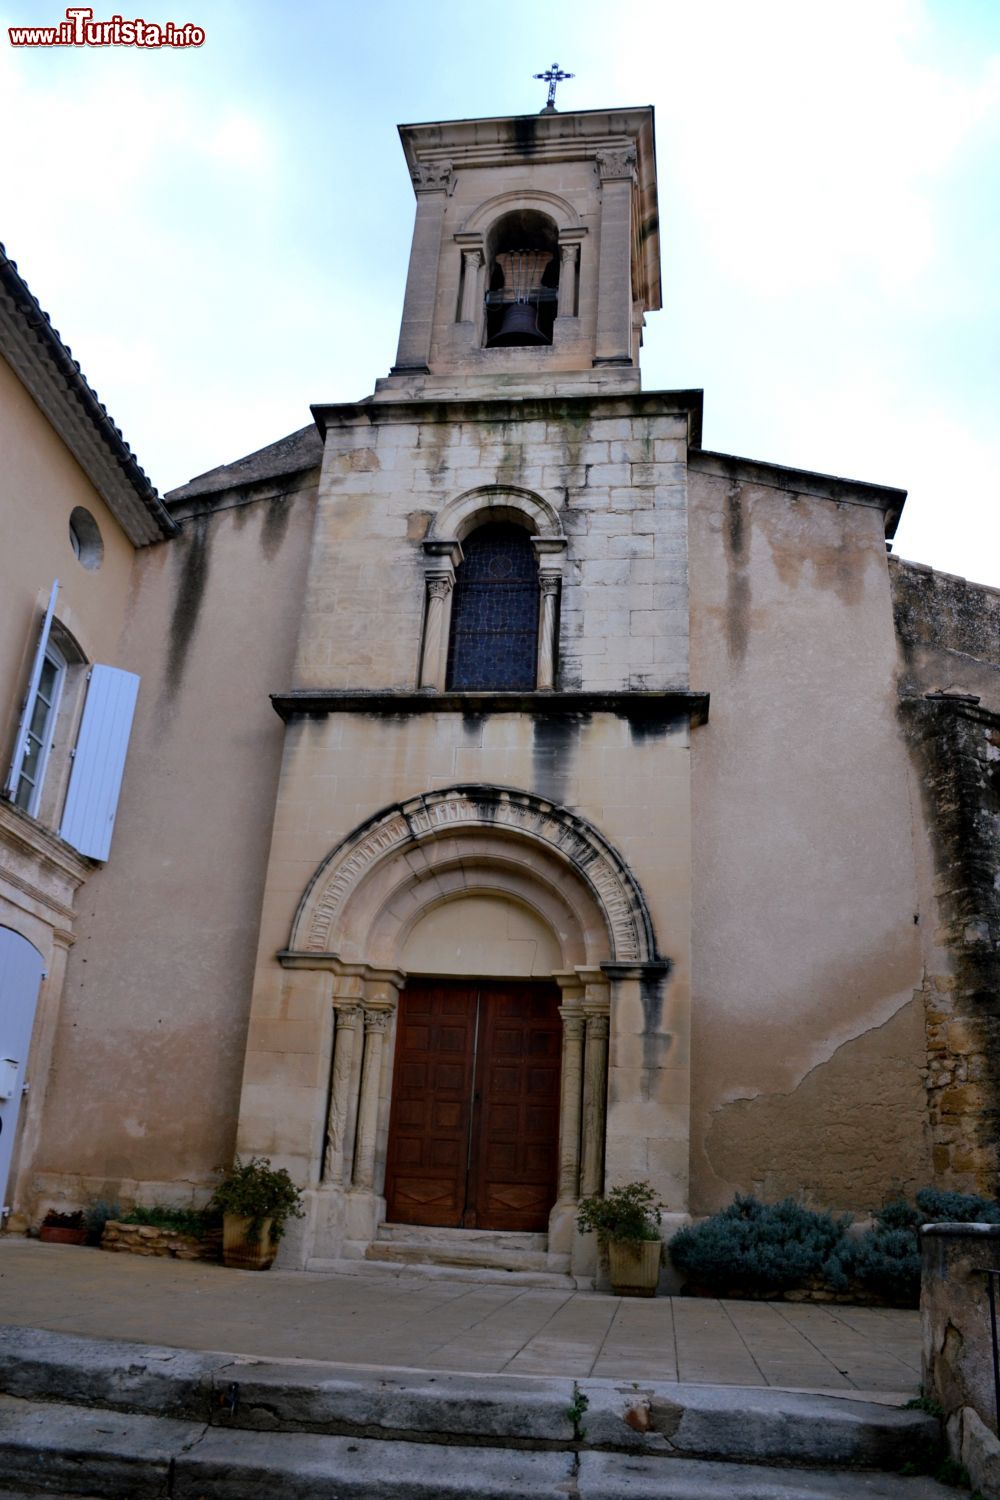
(20, 976)
(431, 1105)
(474, 1127)
(516, 1142)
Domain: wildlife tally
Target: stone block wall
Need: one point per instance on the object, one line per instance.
(151, 1239)
(614, 473)
(956, 749)
(957, 1343)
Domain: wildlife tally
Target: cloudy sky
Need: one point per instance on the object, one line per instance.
(221, 234)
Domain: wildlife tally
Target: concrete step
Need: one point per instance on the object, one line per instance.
(658, 1420)
(75, 1451)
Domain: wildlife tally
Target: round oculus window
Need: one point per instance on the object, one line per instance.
(85, 538)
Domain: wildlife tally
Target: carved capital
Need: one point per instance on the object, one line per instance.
(473, 259)
(598, 1027)
(548, 583)
(347, 1012)
(376, 1020)
(440, 585)
(573, 1023)
(614, 164)
(430, 176)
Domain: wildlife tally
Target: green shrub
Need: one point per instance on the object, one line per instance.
(937, 1207)
(761, 1248)
(97, 1215)
(257, 1191)
(194, 1222)
(757, 1247)
(630, 1212)
(884, 1260)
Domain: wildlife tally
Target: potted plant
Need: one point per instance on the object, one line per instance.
(255, 1200)
(63, 1229)
(626, 1221)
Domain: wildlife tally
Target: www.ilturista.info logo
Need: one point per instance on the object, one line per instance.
(80, 30)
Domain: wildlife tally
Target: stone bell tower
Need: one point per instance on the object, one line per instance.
(471, 1000)
(553, 213)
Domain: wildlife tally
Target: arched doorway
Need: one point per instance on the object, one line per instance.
(475, 936)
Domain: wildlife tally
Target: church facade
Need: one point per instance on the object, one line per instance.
(523, 798)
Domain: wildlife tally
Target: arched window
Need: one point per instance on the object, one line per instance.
(494, 616)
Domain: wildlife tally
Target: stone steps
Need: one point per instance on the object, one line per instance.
(472, 1249)
(427, 1234)
(81, 1452)
(657, 1417)
(489, 1274)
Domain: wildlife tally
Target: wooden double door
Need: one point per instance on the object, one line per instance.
(474, 1125)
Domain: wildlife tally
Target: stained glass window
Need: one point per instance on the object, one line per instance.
(494, 614)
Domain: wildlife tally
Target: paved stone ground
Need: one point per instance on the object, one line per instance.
(436, 1323)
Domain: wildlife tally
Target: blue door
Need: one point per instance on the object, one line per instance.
(21, 974)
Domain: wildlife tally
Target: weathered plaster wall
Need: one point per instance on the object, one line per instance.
(158, 986)
(806, 1040)
(40, 484)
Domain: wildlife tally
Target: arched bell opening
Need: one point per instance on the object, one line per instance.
(523, 280)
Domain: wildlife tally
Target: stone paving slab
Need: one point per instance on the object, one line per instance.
(415, 1322)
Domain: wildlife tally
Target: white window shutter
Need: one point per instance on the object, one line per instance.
(99, 761)
(21, 743)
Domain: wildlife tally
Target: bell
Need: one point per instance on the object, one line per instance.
(519, 325)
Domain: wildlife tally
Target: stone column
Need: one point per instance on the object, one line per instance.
(434, 658)
(472, 300)
(342, 1100)
(566, 307)
(595, 1087)
(550, 552)
(443, 557)
(431, 182)
(548, 603)
(376, 1022)
(614, 286)
(570, 1102)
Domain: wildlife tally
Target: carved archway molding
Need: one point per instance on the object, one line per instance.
(559, 210)
(400, 831)
(496, 502)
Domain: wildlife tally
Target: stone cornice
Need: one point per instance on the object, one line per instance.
(53, 379)
(802, 481)
(688, 403)
(649, 710)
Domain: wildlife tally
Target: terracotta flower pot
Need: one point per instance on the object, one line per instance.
(243, 1253)
(53, 1235)
(634, 1267)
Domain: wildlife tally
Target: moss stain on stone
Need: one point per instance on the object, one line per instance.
(737, 540)
(192, 554)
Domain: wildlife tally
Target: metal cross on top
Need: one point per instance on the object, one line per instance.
(553, 76)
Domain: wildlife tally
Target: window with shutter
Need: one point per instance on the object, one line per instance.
(99, 761)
